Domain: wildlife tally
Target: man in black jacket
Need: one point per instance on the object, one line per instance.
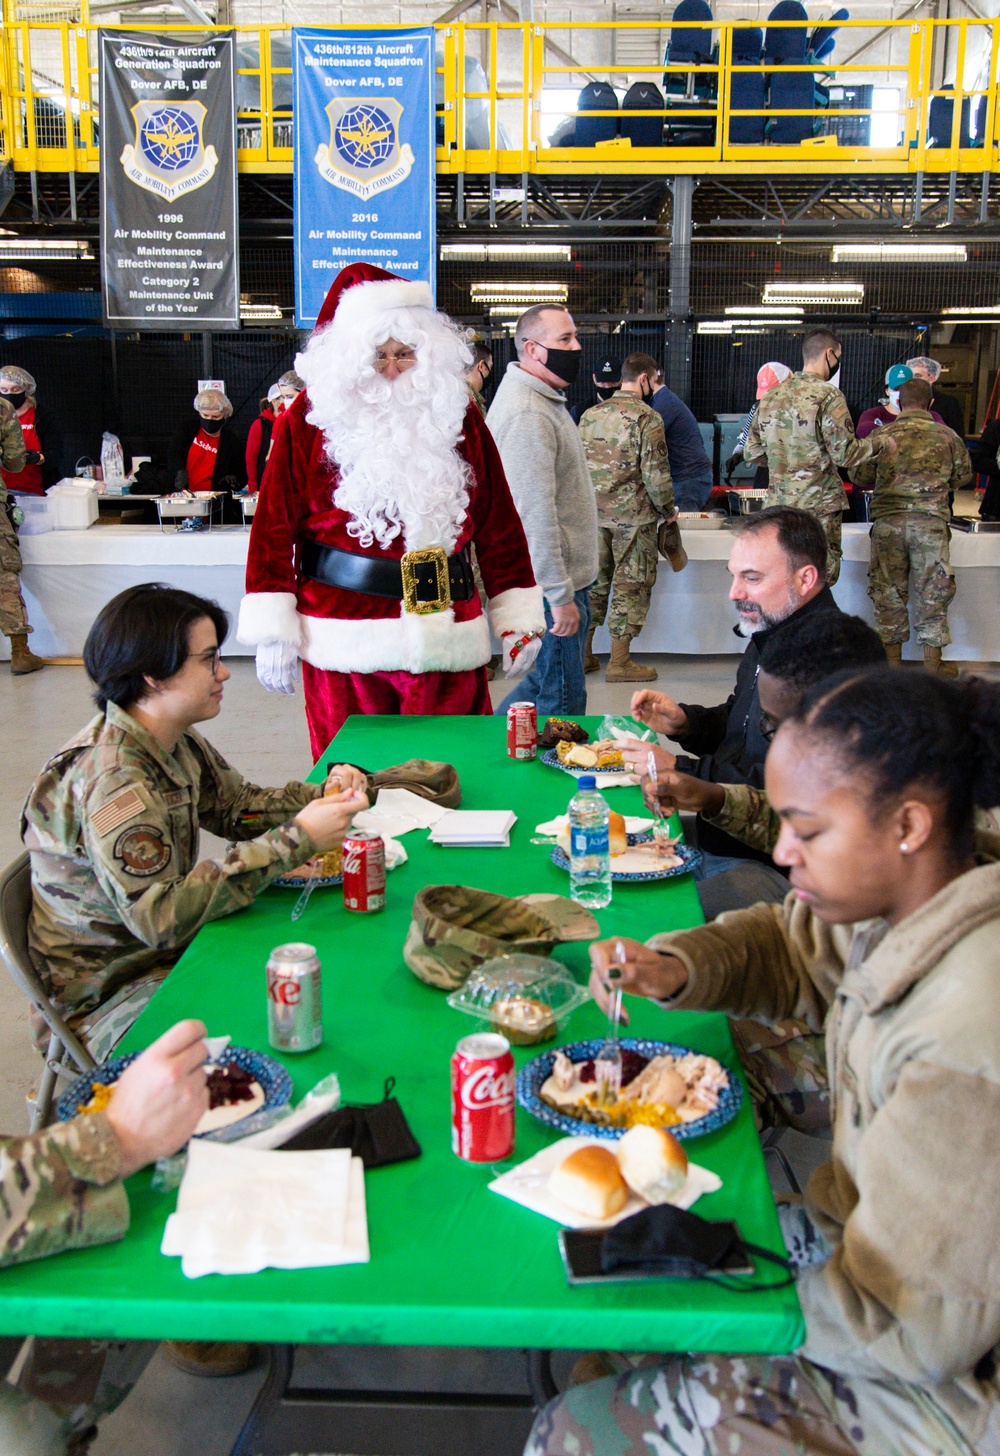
(778, 567)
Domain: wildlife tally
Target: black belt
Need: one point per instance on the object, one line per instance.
(426, 581)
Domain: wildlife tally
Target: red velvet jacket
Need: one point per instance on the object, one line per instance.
(346, 631)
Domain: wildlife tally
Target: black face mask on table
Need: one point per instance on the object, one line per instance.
(564, 363)
(15, 400)
(211, 427)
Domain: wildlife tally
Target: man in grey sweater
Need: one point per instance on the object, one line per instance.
(546, 468)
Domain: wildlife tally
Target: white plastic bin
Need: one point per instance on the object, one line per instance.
(39, 514)
(75, 503)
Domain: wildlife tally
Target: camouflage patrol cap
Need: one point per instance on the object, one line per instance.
(455, 929)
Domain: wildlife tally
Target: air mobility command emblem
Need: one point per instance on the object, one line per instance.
(169, 156)
(364, 155)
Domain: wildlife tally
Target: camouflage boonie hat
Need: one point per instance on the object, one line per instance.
(437, 782)
(456, 928)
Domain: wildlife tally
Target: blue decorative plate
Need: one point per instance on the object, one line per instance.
(690, 860)
(549, 757)
(299, 882)
(534, 1073)
(275, 1083)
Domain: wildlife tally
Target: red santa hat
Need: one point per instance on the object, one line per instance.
(360, 290)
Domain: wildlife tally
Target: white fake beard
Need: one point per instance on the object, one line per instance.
(394, 441)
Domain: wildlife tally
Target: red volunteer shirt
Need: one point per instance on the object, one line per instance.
(28, 480)
(201, 461)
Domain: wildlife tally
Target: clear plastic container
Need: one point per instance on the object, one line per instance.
(589, 849)
(524, 997)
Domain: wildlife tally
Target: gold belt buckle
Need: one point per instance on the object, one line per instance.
(409, 563)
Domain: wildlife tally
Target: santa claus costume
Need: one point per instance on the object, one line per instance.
(374, 491)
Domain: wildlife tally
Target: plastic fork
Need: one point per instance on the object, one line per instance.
(661, 828)
(608, 1062)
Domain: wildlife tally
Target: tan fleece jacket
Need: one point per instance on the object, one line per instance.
(910, 1199)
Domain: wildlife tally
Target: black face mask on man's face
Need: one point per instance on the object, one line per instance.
(211, 427)
(563, 363)
(606, 391)
(14, 400)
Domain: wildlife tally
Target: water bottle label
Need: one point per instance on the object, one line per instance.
(588, 841)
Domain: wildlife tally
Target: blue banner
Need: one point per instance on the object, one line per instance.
(363, 103)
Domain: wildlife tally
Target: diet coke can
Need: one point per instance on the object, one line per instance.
(294, 999)
(522, 731)
(364, 871)
(482, 1099)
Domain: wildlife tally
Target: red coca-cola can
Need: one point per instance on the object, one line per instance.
(364, 871)
(482, 1098)
(522, 731)
(294, 998)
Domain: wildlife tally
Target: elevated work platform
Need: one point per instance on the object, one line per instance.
(504, 88)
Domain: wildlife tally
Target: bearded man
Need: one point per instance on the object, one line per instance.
(778, 569)
(382, 474)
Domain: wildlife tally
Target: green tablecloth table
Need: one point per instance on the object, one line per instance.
(452, 1264)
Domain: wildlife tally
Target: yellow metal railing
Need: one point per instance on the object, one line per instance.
(500, 84)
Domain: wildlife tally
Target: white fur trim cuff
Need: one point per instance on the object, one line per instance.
(432, 643)
(269, 617)
(521, 609)
(382, 295)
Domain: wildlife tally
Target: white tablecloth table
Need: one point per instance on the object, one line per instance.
(69, 575)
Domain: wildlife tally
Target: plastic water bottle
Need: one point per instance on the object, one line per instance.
(590, 857)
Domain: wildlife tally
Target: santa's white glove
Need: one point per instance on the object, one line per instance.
(277, 666)
(518, 654)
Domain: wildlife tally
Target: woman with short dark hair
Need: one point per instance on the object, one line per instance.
(112, 821)
(888, 939)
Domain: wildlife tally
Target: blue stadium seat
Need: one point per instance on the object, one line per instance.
(596, 96)
(821, 43)
(787, 47)
(643, 131)
(690, 48)
(939, 120)
(746, 89)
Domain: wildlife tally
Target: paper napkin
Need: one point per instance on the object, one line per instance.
(470, 827)
(634, 824)
(240, 1210)
(528, 1184)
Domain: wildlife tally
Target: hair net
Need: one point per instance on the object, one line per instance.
(213, 399)
(12, 374)
(291, 380)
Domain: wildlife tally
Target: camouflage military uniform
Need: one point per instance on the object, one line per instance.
(61, 1189)
(112, 825)
(910, 534)
(785, 1064)
(627, 455)
(750, 1405)
(803, 432)
(13, 614)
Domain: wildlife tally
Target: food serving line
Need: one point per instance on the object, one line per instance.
(69, 576)
(452, 1263)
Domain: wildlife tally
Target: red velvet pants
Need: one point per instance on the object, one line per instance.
(333, 696)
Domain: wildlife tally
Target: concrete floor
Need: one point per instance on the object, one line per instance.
(169, 1413)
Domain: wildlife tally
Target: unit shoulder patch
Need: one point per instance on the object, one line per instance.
(143, 850)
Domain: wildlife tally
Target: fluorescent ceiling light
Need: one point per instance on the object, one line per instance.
(992, 308)
(495, 252)
(522, 293)
(899, 252)
(44, 250)
(712, 326)
(763, 311)
(506, 310)
(822, 293)
(259, 312)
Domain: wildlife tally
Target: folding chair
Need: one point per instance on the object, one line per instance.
(65, 1052)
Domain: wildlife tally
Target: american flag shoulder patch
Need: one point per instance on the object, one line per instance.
(117, 811)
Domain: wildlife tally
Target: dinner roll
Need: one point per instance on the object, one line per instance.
(653, 1163)
(590, 1182)
(617, 838)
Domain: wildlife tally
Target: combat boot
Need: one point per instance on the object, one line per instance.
(933, 663)
(22, 659)
(209, 1357)
(894, 653)
(621, 668)
(591, 663)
